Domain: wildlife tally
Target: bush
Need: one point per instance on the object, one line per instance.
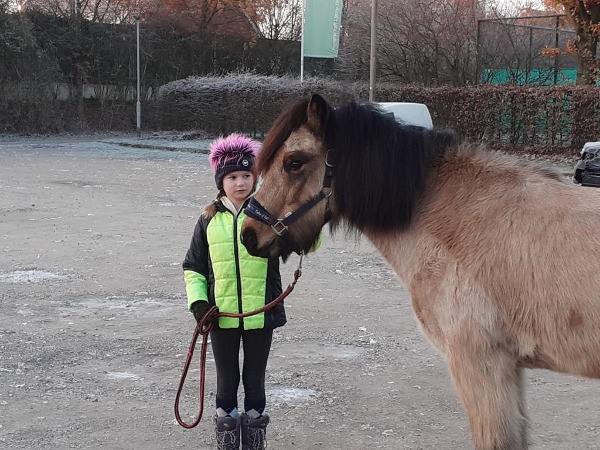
(517, 118)
(44, 115)
(237, 102)
(544, 119)
(541, 119)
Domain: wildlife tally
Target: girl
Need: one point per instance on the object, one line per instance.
(219, 271)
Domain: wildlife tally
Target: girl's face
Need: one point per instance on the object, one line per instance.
(238, 186)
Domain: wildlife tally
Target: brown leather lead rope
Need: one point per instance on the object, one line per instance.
(203, 328)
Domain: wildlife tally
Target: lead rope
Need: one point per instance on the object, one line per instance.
(204, 328)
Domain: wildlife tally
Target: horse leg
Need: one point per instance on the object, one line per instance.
(490, 385)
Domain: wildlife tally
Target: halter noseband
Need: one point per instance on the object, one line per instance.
(280, 226)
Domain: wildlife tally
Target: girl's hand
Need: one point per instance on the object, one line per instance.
(199, 309)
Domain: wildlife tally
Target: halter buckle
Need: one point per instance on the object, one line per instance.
(279, 228)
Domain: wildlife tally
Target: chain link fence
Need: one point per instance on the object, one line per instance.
(534, 50)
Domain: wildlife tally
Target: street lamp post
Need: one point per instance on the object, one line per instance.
(138, 106)
(373, 59)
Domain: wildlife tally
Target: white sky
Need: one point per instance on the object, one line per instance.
(506, 5)
(519, 3)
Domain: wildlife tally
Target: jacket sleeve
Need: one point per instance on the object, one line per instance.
(196, 265)
(276, 316)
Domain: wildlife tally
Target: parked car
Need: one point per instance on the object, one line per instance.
(587, 169)
(409, 113)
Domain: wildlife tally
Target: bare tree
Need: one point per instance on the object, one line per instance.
(419, 41)
(91, 10)
(354, 50)
(585, 17)
(276, 19)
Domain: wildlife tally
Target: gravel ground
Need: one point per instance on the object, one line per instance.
(94, 329)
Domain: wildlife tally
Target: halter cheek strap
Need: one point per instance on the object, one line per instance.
(280, 226)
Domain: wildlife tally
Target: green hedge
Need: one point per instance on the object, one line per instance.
(241, 102)
(542, 119)
(46, 116)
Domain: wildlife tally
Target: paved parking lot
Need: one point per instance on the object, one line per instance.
(94, 330)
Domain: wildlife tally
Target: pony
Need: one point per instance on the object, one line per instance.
(501, 259)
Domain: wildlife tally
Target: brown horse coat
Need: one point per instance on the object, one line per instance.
(501, 259)
(518, 242)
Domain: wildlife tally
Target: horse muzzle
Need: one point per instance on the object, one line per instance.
(276, 246)
(250, 241)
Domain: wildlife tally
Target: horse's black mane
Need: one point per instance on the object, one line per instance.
(380, 165)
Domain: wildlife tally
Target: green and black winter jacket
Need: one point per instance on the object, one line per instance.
(218, 269)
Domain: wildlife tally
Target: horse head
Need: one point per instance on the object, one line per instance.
(292, 204)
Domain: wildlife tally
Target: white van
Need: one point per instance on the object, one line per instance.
(409, 113)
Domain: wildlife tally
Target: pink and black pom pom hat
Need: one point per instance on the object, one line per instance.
(231, 154)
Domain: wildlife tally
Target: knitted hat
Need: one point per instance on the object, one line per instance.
(230, 154)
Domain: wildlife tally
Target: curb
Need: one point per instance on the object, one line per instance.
(159, 147)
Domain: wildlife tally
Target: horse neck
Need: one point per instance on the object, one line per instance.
(398, 248)
(463, 197)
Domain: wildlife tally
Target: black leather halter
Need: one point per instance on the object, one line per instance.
(280, 226)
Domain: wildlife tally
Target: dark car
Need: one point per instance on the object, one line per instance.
(587, 169)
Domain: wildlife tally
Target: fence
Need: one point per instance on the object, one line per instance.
(525, 50)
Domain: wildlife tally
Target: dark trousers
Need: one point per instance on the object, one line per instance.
(226, 350)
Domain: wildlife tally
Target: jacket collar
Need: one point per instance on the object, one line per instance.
(223, 204)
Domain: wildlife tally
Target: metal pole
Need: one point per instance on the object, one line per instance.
(556, 43)
(302, 44)
(373, 59)
(138, 106)
(529, 62)
(478, 54)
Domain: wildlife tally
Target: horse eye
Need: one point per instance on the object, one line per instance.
(295, 164)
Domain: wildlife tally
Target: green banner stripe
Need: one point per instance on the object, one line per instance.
(322, 19)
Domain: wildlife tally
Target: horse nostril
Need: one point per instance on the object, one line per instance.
(248, 239)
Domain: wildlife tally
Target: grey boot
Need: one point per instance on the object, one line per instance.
(227, 430)
(254, 427)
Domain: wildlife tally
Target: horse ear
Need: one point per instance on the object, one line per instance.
(317, 113)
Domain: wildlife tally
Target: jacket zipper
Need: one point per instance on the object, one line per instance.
(237, 268)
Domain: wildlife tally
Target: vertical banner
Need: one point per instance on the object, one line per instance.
(321, 33)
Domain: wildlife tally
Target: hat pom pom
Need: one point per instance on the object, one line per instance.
(232, 147)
